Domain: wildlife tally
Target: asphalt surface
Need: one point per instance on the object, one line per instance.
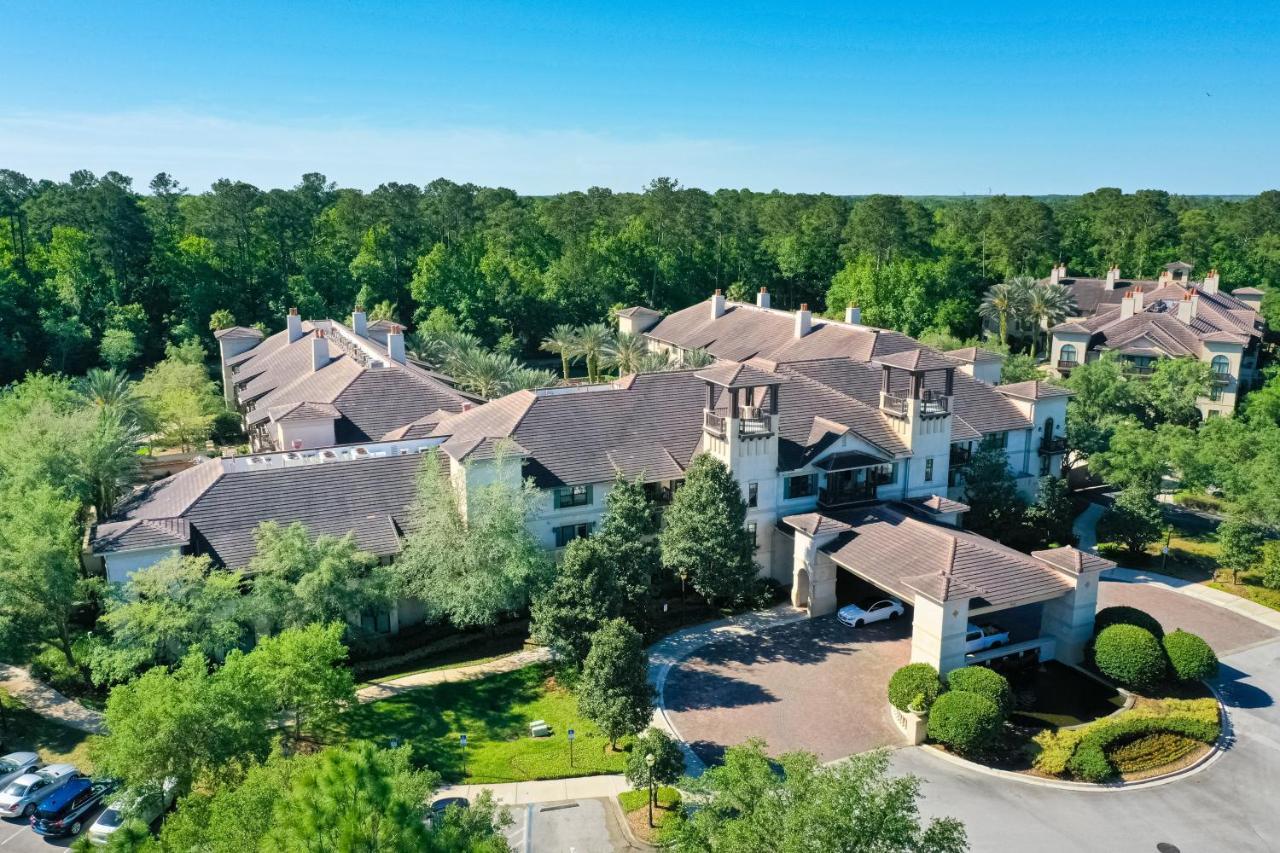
(584, 826)
(17, 835)
(1229, 805)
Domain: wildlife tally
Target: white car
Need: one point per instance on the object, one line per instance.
(16, 764)
(145, 806)
(21, 796)
(874, 610)
(979, 638)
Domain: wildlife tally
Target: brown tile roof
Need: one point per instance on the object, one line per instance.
(1033, 389)
(733, 374)
(938, 505)
(421, 428)
(1074, 561)
(973, 355)
(905, 555)
(139, 533)
(916, 359)
(814, 523)
(237, 332)
(638, 311)
(304, 410)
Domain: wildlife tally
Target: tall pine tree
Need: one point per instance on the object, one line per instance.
(705, 540)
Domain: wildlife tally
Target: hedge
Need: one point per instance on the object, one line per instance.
(1083, 751)
(914, 687)
(1150, 752)
(1121, 615)
(985, 682)
(1190, 657)
(965, 721)
(1131, 656)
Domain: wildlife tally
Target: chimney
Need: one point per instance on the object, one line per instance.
(1166, 277)
(294, 324)
(360, 322)
(1138, 300)
(1211, 282)
(1187, 307)
(762, 298)
(853, 315)
(395, 344)
(319, 350)
(717, 305)
(1126, 305)
(1113, 277)
(804, 320)
(1058, 273)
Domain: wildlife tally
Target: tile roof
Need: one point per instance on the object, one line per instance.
(733, 374)
(1033, 389)
(304, 410)
(139, 533)
(237, 332)
(637, 311)
(916, 360)
(973, 355)
(938, 505)
(814, 523)
(1072, 560)
(421, 428)
(905, 555)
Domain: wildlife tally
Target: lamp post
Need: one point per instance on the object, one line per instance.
(648, 760)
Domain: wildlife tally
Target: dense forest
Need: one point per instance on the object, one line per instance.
(95, 271)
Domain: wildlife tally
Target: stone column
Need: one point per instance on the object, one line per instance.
(813, 575)
(937, 633)
(1069, 618)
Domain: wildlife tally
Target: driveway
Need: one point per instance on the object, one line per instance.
(815, 685)
(1224, 631)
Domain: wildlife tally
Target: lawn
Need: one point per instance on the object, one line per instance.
(494, 712)
(28, 731)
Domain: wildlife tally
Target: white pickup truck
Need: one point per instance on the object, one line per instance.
(979, 638)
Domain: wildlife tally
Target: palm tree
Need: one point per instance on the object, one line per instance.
(654, 362)
(112, 390)
(697, 358)
(488, 374)
(1048, 304)
(427, 348)
(109, 459)
(593, 338)
(530, 378)
(1003, 303)
(624, 352)
(563, 340)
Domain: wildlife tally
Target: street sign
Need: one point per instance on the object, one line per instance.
(570, 734)
(462, 739)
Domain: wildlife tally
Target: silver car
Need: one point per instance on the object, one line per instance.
(16, 764)
(145, 805)
(21, 796)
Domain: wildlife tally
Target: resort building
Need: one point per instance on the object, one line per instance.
(1170, 317)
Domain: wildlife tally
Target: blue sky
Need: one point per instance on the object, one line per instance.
(543, 97)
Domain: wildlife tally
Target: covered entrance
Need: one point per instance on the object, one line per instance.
(851, 478)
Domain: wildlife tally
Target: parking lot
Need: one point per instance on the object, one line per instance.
(16, 835)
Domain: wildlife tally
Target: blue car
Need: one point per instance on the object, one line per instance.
(64, 811)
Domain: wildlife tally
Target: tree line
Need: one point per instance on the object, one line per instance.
(95, 271)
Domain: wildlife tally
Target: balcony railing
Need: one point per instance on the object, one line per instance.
(1053, 444)
(714, 423)
(1139, 369)
(931, 405)
(1220, 378)
(1067, 365)
(748, 427)
(833, 497)
(960, 455)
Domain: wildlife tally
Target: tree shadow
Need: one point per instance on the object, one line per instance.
(1237, 693)
(710, 752)
(809, 642)
(700, 689)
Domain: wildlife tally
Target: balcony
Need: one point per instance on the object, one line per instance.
(1220, 379)
(932, 405)
(960, 455)
(1053, 444)
(1067, 365)
(1139, 369)
(756, 426)
(715, 424)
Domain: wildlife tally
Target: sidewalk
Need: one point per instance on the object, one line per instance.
(396, 686)
(47, 702)
(544, 791)
(670, 650)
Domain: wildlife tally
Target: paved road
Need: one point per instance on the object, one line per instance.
(16, 836)
(586, 826)
(1228, 806)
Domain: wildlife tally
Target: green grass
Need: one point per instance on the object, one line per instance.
(462, 659)
(494, 712)
(26, 730)
(668, 798)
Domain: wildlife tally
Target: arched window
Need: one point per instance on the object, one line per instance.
(1221, 365)
(1067, 355)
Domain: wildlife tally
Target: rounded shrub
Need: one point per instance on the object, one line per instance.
(1130, 656)
(1090, 764)
(965, 721)
(1121, 615)
(985, 682)
(914, 687)
(1190, 657)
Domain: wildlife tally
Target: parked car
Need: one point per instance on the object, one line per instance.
(872, 610)
(64, 811)
(144, 805)
(21, 796)
(17, 764)
(439, 806)
(979, 638)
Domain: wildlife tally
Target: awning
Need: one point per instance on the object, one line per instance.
(849, 460)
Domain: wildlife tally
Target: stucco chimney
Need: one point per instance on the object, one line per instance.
(294, 325)
(1166, 277)
(319, 350)
(804, 320)
(717, 305)
(853, 315)
(1126, 305)
(1139, 300)
(360, 322)
(762, 298)
(395, 344)
(1187, 307)
(1058, 273)
(1113, 277)
(1211, 282)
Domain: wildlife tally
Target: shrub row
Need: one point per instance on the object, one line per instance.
(1151, 751)
(1122, 615)
(1132, 649)
(1083, 751)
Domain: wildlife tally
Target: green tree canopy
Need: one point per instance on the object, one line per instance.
(614, 690)
(705, 539)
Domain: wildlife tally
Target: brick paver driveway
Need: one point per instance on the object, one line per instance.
(814, 685)
(1223, 630)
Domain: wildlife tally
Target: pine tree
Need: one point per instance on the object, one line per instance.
(705, 540)
(614, 691)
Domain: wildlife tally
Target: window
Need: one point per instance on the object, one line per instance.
(376, 621)
(570, 532)
(928, 469)
(1221, 366)
(751, 528)
(1213, 413)
(1215, 393)
(1067, 355)
(753, 494)
(1044, 465)
(802, 486)
(997, 440)
(573, 496)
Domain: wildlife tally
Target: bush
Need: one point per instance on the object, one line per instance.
(985, 682)
(1151, 751)
(668, 798)
(1130, 656)
(1190, 657)
(1090, 764)
(914, 687)
(965, 721)
(1121, 615)
(1056, 749)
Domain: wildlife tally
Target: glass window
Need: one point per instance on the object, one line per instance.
(1221, 365)
(802, 486)
(998, 440)
(751, 528)
(753, 494)
(569, 532)
(1044, 465)
(1067, 353)
(573, 496)
(928, 470)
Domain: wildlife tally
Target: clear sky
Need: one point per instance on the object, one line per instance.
(918, 98)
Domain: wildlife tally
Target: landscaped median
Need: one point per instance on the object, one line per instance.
(1169, 719)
